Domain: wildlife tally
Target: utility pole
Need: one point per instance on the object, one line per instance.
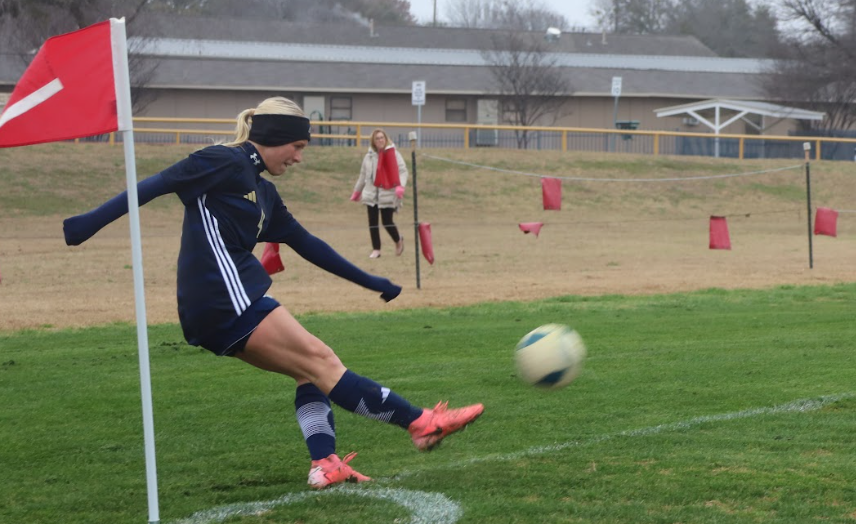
(435, 13)
(615, 14)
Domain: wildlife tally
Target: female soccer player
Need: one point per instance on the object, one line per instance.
(222, 305)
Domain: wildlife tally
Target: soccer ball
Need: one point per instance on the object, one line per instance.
(550, 356)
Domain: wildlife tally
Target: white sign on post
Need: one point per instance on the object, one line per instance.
(418, 99)
(418, 95)
(616, 86)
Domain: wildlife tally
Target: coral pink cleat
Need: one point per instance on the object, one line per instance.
(436, 424)
(333, 470)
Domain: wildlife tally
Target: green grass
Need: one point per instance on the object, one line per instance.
(664, 425)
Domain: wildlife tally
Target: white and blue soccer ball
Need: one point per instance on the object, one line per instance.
(550, 356)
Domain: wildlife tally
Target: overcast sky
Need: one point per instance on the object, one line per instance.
(575, 11)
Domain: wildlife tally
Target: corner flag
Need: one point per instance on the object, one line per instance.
(79, 85)
(70, 90)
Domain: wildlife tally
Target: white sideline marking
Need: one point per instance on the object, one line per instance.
(799, 406)
(426, 508)
(435, 508)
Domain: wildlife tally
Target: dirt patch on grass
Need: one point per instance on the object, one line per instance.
(479, 257)
(611, 237)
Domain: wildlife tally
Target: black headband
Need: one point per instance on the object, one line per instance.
(278, 130)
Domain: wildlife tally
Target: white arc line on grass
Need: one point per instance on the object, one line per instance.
(30, 101)
(797, 406)
(426, 508)
(435, 508)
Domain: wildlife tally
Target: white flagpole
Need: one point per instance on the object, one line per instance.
(126, 127)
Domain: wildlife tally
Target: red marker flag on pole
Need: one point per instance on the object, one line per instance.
(551, 192)
(271, 260)
(68, 91)
(719, 238)
(531, 227)
(426, 242)
(826, 222)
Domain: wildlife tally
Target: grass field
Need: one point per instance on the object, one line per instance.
(719, 386)
(714, 406)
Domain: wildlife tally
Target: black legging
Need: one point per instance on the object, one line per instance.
(388, 224)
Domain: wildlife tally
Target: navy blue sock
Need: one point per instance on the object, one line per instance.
(366, 397)
(316, 421)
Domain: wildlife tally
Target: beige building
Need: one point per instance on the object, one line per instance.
(216, 67)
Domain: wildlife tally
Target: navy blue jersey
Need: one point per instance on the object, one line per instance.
(229, 207)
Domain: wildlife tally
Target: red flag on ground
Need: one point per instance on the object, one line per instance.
(68, 91)
(425, 241)
(271, 260)
(551, 191)
(719, 238)
(531, 227)
(826, 222)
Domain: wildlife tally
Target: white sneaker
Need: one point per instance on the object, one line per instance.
(375, 254)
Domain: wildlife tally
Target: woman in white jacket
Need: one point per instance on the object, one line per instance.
(380, 188)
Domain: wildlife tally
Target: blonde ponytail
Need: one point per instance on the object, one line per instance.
(242, 128)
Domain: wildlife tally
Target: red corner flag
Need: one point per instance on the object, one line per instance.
(68, 91)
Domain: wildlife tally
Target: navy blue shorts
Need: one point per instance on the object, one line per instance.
(232, 338)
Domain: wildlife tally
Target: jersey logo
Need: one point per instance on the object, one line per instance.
(255, 158)
(251, 196)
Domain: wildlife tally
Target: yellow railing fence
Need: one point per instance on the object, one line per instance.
(357, 134)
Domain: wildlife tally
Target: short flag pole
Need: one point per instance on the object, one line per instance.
(807, 149)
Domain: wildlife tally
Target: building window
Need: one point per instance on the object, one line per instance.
(341, 108)
(456, 110)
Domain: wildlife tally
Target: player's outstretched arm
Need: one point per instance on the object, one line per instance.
(80, 228)
(322, 255)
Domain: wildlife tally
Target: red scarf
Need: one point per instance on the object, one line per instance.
(386, 175)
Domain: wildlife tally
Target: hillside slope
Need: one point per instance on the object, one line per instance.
(622, 232)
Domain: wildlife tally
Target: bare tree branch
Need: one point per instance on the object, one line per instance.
(530, 86)
(817, 68)
(34, 21)
(524, 15)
